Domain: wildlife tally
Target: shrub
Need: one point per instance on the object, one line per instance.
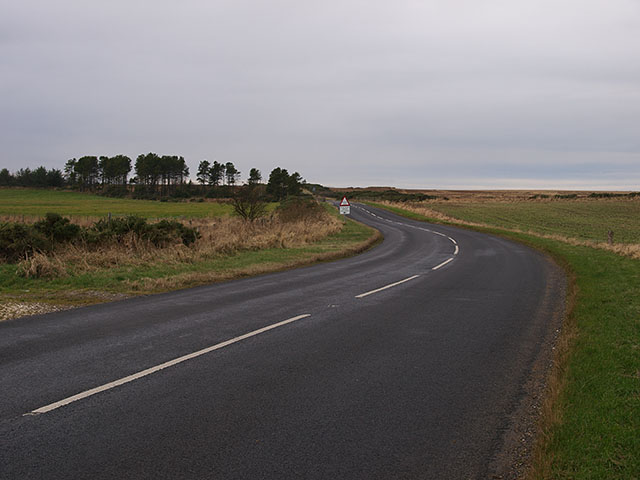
(28, 242)
(57, 229)
(249, 202)
(18, 240)
(169, 231)
(296, 209)
(160, 234)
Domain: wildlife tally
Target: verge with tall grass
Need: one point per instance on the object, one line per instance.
(124, 257)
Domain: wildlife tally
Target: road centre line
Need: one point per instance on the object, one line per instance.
(453, 240)
(157, 368)
(385, 287)
(442, 264)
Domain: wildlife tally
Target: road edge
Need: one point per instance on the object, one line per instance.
(520, 455)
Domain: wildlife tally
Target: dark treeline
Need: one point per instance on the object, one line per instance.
(89, 171)
(25, 177)
(154, 176)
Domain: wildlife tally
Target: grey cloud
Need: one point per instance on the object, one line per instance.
(345, 92)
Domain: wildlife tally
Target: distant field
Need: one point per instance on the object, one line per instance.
(37, 203)
(584, 220)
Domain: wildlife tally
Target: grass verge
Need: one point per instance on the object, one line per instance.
(180, 270)
(591, 416)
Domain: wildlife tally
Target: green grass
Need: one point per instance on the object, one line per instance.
(133, 280)
(38, 202)
(584, 220)
(598, 435)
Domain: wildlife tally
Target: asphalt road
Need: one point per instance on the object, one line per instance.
(423, 379)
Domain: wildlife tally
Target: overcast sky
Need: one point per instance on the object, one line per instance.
(426, 94)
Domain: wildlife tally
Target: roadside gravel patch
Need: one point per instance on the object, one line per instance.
(9, 310)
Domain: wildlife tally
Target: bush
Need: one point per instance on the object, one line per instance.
(249, 202)
(17, 241)
(169, 231)
(159, 234)
(296, 209)
(57, 229)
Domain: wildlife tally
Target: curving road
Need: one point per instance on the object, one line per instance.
(412, 360)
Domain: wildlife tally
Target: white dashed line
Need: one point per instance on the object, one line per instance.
(157, 368)
(386, 286)
(442, 264)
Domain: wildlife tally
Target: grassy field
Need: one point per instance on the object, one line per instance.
(578, 222)
(18, 202)
(585, 220)
(591, 419)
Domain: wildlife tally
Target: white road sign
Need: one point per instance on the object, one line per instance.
(345, 206)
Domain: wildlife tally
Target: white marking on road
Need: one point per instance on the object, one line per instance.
(442, 264)
(453, 240)
(386, 286)
(157, 368)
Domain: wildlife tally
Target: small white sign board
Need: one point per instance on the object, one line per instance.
(345, 206)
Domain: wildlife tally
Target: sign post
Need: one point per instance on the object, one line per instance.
(345, 206)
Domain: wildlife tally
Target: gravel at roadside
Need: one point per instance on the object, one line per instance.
(10, 310)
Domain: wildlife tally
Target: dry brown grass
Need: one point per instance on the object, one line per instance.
(40, 265)
(188, 279)
(422, 209)
(220, 236)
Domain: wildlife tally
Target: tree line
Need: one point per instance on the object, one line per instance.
(25, 177)
(152, 173)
